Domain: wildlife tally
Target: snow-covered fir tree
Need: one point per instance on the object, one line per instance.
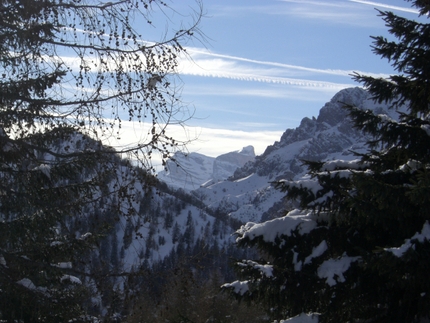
(358, 248)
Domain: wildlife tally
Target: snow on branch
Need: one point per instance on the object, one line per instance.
(316, 252)
(27, 283)
(410, 243)
(63, 265)
(311, 184)
(426, 128)
(71, 279)
(265, 270)
(45, 169)
(333, 269)
(411, 165)
(270, 230)
(239, 287)
(302, 318)
(332, 165)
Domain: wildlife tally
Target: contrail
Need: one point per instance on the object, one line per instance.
(270, 79)
(275, 64)
(302, 68)
(387, 6)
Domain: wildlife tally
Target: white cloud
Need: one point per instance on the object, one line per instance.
(204, 63)
(275, 91)
(330, 12)
(216, 141)
(257, 125)
(207, 64)
(209, 141)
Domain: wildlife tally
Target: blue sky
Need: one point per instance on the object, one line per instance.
(266, 64)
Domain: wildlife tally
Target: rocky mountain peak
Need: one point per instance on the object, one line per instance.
(248, 151)
(332, 113)
(247, 194)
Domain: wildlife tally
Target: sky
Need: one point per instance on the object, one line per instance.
(263, 65)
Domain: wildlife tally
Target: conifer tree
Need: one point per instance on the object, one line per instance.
(358, 249)
(71, 73)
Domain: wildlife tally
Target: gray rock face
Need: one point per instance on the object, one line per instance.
(315, 139)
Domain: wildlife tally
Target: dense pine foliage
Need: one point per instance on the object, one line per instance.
(71, 71)
(358, 249)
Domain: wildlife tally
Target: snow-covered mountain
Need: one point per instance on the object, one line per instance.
(171, 223)
(248, 194)
(187, 171)
(239, 184)
(190, 171)
(217, 194)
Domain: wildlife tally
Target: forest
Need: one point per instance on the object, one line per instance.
(88, 233)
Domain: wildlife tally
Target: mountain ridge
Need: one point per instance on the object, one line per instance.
(248, 195)
(190, 171)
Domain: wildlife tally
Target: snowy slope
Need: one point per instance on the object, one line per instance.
(165, 224)
(248, 195)
(225, 165)
(187, 171)
(190, 171)
(171, 222)
(156, 226)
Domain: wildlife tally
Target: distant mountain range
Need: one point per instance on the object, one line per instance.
(197, 205)
(190, 171)
(247, 194)
(203, 199)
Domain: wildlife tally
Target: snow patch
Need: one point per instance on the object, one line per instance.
(72, 279)
(409, 243)
(338, 164)
(239, 287)
(302, 318)
(316, 252)
(63, 265)
(26, 282)
(266, 270)
(333, 269)
(273, 229)
(45, 169)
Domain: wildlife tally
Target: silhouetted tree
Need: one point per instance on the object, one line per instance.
(71, 73)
